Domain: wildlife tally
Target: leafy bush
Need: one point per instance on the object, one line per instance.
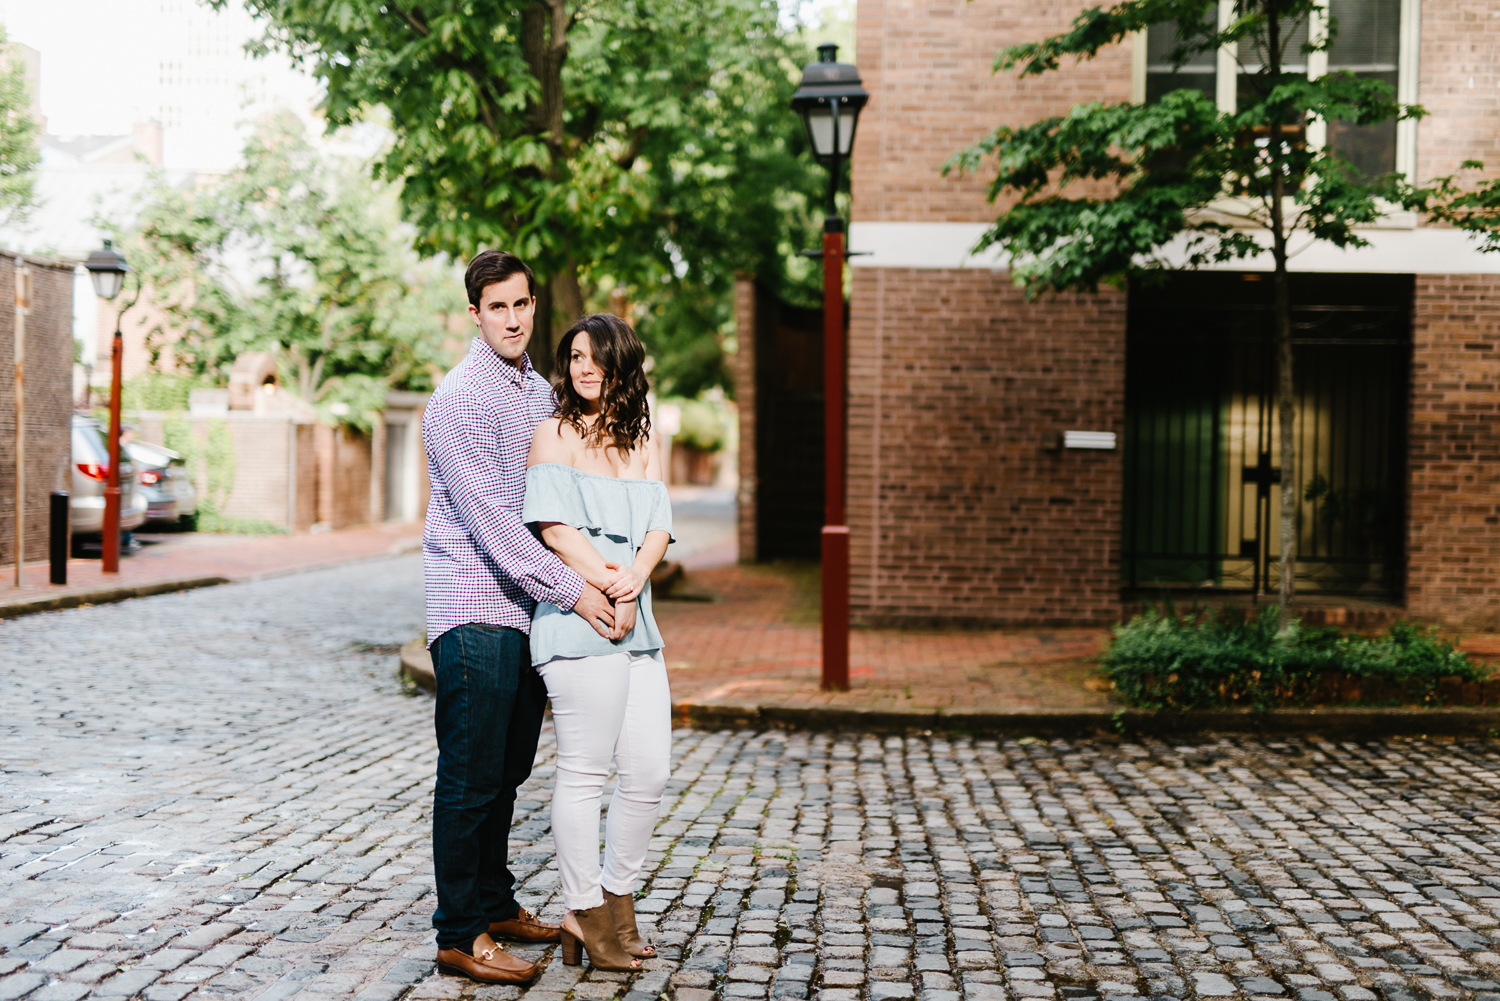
(1230, 660)
(159, 391)
(704, 423)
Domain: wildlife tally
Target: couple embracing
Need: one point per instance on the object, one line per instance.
(548, 514)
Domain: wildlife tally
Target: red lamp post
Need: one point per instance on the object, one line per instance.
(829, 100)
(107, 268)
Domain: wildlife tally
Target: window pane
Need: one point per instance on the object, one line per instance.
(1198, 73)
(1370, 148)
(1369, 34)
(1293, 60)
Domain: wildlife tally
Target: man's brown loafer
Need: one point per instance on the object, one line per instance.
(525, 927)
(487, 965)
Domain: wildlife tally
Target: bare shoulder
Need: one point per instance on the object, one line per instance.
(553, 441)
(652, 451)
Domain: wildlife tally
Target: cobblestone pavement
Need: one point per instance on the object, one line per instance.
(224, 794)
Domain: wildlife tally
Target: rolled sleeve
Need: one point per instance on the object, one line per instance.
(465, 448)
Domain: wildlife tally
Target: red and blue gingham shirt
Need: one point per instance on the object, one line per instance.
(481, 563)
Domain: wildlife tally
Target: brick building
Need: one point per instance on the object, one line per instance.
(962, 507)
(48, 326)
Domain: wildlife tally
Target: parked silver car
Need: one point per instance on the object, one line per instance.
(90, 476)
(163, 478)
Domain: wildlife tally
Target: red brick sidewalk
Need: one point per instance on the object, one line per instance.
(194, 559)
(757, 643)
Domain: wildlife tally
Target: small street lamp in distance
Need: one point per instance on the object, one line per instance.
(107, 268)
(830, 99)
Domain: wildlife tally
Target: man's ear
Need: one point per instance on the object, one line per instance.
(474, 314)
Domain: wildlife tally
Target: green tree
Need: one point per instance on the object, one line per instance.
(1176, 183)
(19, 154)
(304, 255)
(636, 144)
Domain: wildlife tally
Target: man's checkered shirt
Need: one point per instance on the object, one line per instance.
(482, 565)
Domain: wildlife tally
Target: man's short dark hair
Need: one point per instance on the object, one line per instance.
(491, 266)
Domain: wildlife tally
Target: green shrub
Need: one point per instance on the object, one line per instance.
(704, 423)
(1230, 660)
(158, 391)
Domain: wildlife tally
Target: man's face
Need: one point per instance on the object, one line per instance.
(504, 317)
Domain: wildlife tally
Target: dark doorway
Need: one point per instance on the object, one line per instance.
(1202, 452)
(788, 429)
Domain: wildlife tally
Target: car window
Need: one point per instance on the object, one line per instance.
(147, 455)
(89, 445)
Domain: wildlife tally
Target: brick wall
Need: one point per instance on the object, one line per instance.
(327, 481)
(927, 66)
(957, 511)
(49, 400)
(742, 369)
(1453, 554)
(344, 457)
(1458, 80)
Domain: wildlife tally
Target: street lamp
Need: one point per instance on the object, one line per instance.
(829, 100)
(107, 268)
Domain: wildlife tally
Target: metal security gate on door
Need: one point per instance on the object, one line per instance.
(1202, 442)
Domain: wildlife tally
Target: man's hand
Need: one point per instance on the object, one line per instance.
(624, 620)
(598, 612)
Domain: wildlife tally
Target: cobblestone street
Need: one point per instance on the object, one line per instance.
(224, 793)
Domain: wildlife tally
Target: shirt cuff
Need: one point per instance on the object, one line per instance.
(568, 590)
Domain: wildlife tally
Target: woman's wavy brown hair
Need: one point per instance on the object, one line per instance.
(624, 417)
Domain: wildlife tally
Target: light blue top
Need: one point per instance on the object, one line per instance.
(612, 513)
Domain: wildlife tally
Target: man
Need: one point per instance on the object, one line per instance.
(485, 572)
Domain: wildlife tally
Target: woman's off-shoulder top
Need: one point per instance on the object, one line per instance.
(612, 513)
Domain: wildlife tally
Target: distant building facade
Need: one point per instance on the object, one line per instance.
(965, 503)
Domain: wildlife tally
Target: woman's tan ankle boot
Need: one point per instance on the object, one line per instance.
(622, 909)
(596, 935)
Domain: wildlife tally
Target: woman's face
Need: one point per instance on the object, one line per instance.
(588, 380)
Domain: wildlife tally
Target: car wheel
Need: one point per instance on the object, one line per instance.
(188, 522)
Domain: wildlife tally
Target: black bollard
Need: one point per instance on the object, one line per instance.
(57, 539)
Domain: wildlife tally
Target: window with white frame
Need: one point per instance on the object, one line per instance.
(1376, 39)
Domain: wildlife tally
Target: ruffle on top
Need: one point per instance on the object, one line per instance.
(624, 510)
(614, 515)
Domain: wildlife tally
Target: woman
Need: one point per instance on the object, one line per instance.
(594, 490)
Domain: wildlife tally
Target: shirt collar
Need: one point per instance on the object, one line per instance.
(485, 356)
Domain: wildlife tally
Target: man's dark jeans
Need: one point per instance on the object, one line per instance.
(489, 715)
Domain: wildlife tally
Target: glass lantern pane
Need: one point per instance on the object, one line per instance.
(820, 127)
(107, 283)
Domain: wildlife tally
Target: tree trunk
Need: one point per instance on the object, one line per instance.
(544, 41)
(1286, 426)
(559, 303)
(1282, 318)
(540, 349)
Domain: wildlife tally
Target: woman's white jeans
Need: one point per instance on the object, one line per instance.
(615, 708)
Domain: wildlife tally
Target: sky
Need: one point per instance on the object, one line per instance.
(109, 63)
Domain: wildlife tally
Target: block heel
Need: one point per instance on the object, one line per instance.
(572, 949)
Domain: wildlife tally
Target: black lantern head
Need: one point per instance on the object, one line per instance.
(107, 268)
(829, 101)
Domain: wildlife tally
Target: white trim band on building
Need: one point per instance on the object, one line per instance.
(949, 245)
